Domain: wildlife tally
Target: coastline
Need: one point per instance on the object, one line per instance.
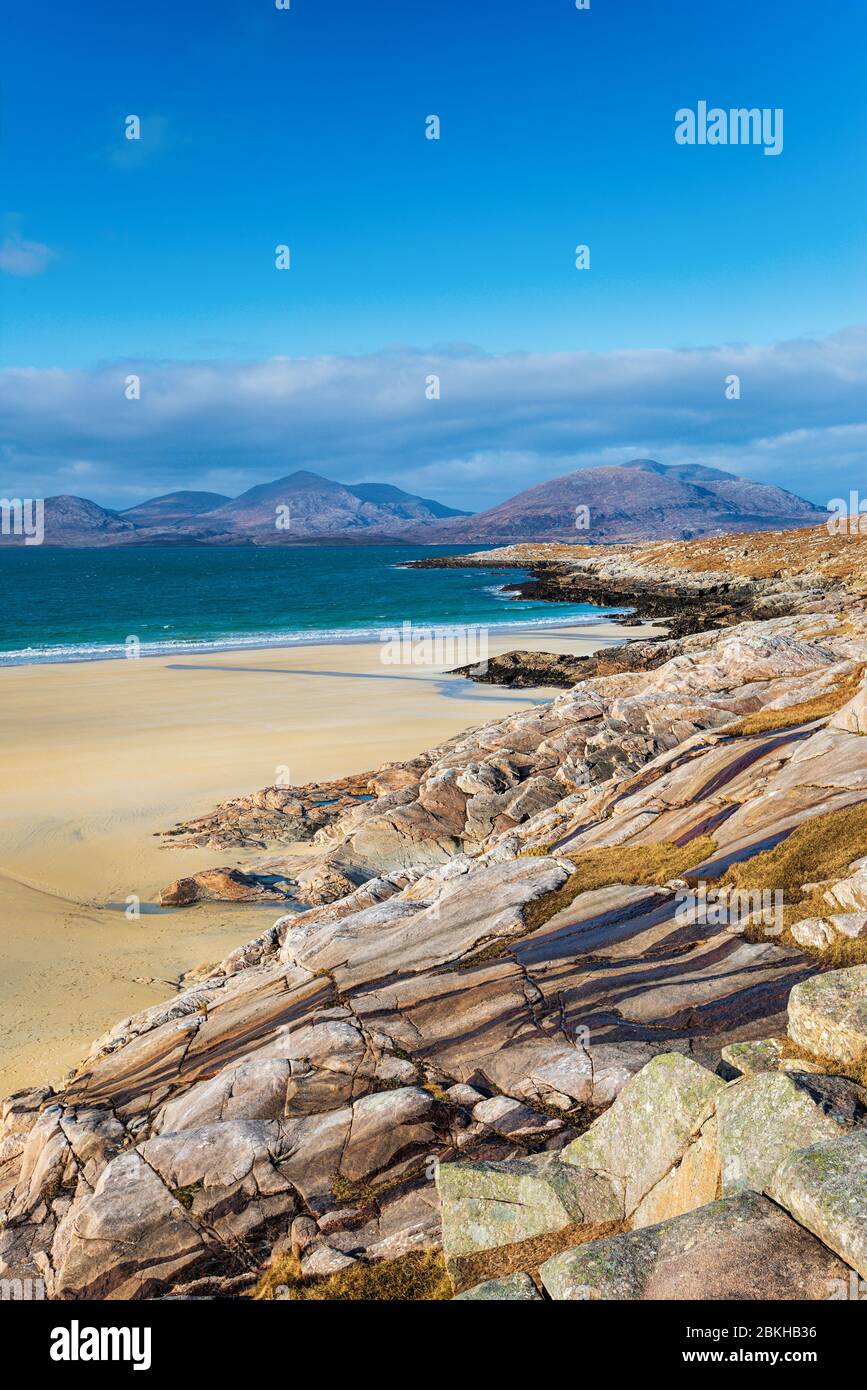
(65, 656)
(495, 963)
(103, 755)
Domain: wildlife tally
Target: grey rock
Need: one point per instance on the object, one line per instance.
(737, 1248)
(825, 1188)
(650, 1125)
(513, 1288)
(764, 1118)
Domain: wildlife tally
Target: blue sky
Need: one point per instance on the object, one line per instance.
(262, 126)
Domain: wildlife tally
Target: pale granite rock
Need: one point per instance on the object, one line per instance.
(825, 1189)
(814, 931)
(130, 1238)
(512, 1119)
(693, 1182)
(749, 1058)
(737, 1248)
(762, 1119)
(489, 1204)
(326, 1260)
(828, 1015)
(650, 1125)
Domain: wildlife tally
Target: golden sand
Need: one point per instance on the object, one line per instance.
(100, 756)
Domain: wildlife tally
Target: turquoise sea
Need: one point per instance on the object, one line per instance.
(74, 605)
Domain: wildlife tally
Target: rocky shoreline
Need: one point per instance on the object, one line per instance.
(683, 601)
(507, 1007)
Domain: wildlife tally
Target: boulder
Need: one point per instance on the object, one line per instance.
(825, 1188)
(853, 715)
(325, 1260)
(849, 893)
(129, 1239)
(828, 1015)
(849, 924)
(384, 1126)
(650, 1125)
(762, 1119)
(490, 1205)
(691, 1183)
(821, 932)
(749, 1058)
(815, 932)
(219, 885)
(512, 1119)
(737, 1248)
(513, 1288)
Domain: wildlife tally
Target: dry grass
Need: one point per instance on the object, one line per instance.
(820, 707)
(831, 1066)
(601, 868)
(417, 1277)
(821, 848)
(526, 1255)
(627, 864)
(638, 864)
(765, 554)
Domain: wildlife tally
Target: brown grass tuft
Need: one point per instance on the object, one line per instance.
(820, 707)
(419, 1276)
(821, 848)
(601, 868)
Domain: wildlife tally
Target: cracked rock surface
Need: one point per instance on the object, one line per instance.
(453, 997)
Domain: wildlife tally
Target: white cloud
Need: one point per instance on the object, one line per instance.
(502, 422)
(20, 257)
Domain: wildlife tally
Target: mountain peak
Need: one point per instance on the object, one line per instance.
(646, 465)
(634, 501)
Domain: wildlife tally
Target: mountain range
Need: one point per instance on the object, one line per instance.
(638, 500)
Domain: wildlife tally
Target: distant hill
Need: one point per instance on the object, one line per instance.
(300, 507)
(172, 507)
(638, 500)
(403, 502)
(305, 505)
(76, 521)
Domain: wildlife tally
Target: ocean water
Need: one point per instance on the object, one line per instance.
(75, 605)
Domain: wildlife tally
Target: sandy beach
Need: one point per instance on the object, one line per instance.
(100, 756)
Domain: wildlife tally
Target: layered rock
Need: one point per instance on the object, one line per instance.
(686, 1162)
(474, 995)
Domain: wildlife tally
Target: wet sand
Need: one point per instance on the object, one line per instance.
(101, 756)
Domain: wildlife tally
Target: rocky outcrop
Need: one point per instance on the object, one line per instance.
(828, 1015)
(763, 1118)
(276, 815)
(825, 1189)
(738, 1248)
(220, 885)
(684, 1162)
(505, 980)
